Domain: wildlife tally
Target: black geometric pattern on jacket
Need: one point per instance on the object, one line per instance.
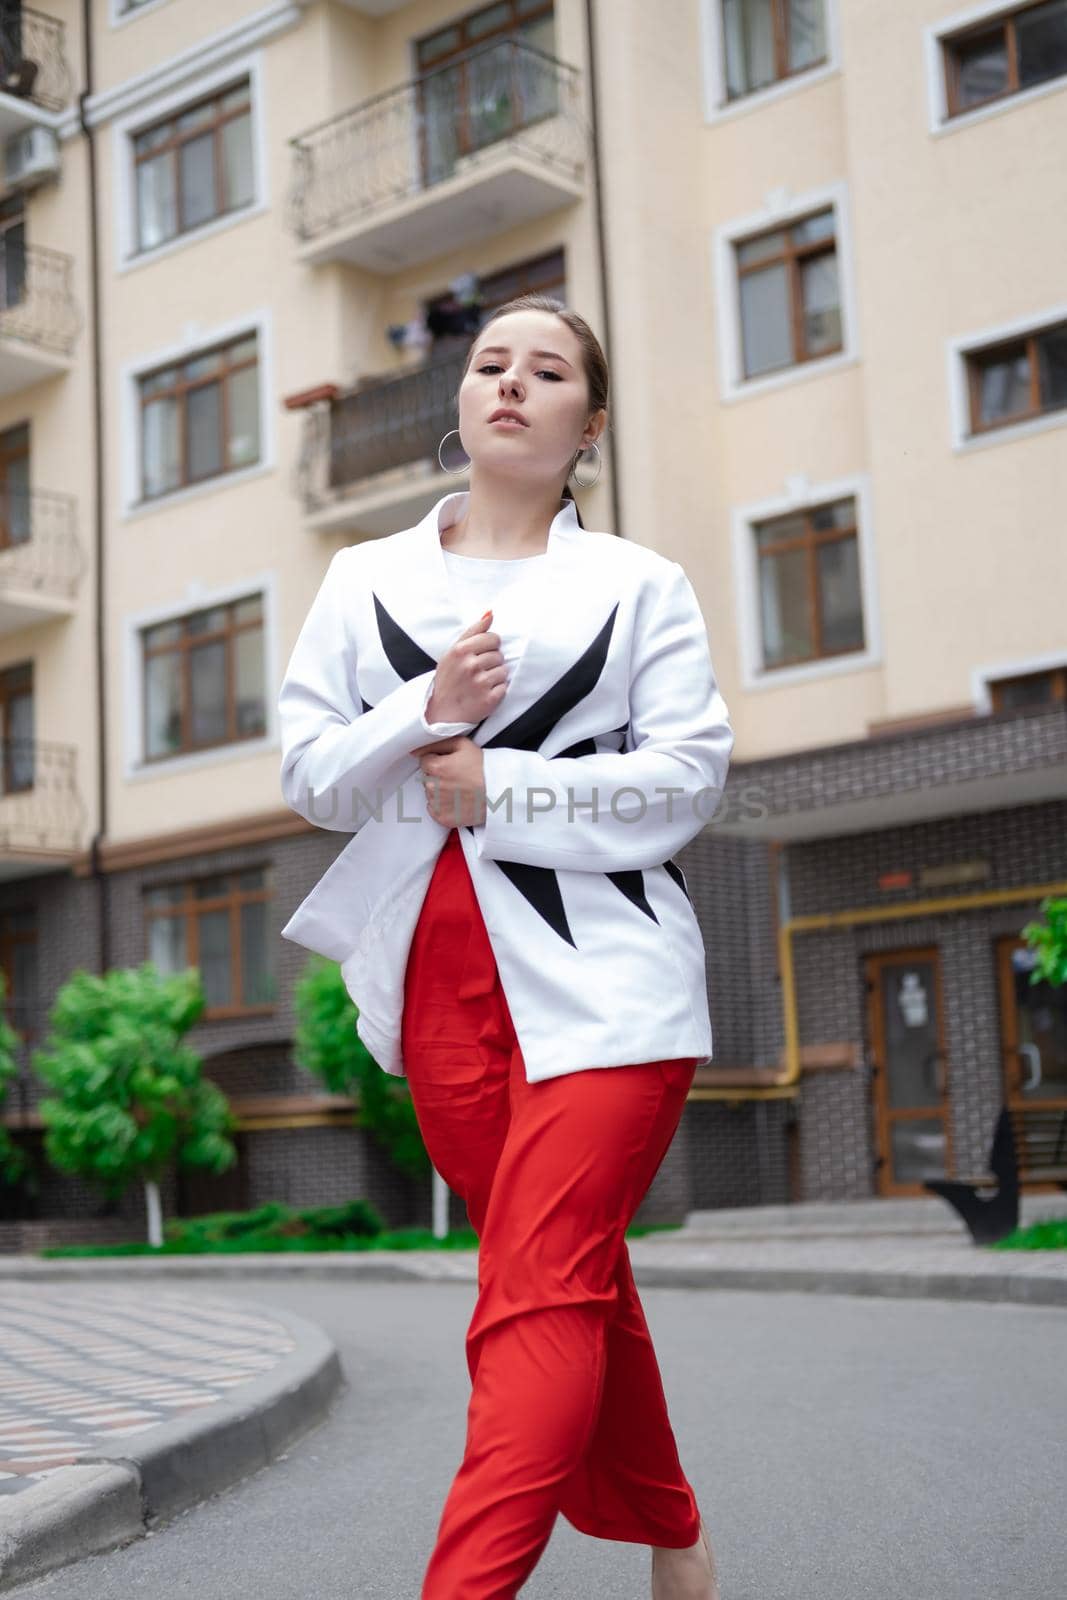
(539, 886)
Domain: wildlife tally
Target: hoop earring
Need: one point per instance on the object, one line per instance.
(453, 470)
(588, 482)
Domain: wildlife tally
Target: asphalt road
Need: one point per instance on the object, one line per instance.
(840, 1448)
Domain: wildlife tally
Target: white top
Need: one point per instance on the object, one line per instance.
(476, 579)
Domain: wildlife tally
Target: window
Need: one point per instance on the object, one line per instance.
(203, 679)
(219, 925)
(993, 60)
(18, 962)
(193, 166)
(14, 485)
(765, 41)
(1030, 689)
(1017, 379)
(200, 417)
(808, 584)
(16, 728)
(788, 294)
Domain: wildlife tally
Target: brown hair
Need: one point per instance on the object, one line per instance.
(594, 361)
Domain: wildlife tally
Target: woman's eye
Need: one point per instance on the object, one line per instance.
(491, 366)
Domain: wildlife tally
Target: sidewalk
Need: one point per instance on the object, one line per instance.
(118, 1408)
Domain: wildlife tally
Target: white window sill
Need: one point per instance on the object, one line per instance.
(191, 760)
(747, 388)
(193, 491)
(1010, 432)
(760, 99)
(810, 671)
(207, 230)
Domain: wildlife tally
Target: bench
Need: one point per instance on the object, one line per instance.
(1039, 1134)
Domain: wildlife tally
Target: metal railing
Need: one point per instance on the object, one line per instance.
(36, 301)
(384, 424)
(33, 65)
(39, 548)
(405, 140)
(40, 807)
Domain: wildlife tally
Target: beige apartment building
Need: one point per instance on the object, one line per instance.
(243, 250)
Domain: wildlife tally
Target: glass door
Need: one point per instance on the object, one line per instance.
(910, 1069)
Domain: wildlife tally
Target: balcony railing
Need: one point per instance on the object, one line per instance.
(40, 807)
(39, 549)
(408, 140)
(33, 64)
(384, 424)
(36, 301)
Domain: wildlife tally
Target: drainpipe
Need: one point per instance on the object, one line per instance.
(103, 895)
(602, 243)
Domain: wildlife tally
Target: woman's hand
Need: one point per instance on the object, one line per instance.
(471, 678)
(453, 772)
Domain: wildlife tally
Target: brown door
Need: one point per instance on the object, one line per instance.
(1033, 1035)
(910, 1069)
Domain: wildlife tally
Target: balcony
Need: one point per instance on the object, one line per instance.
(41, 560)
(41, 811)
(369, 458)
(35, 77)
(38, 317)
(491, 141)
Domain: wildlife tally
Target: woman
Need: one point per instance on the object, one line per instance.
(510, 923)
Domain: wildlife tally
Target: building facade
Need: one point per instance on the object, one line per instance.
(245, 248)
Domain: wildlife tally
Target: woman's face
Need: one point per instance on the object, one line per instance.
(531, 363)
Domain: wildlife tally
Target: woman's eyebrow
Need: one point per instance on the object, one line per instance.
(502, 350)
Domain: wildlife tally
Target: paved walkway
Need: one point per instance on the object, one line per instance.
(84, 1367)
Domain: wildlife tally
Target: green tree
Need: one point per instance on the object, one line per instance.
(1048, 940)
(13, 1161)
(129, 1098)
(327, 1045)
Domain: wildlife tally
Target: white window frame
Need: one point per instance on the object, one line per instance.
(957, 351)
(780, 207)
(119, 16)
(936, 95)
(136, 768)
(717, 108)
(801, 495)
(983, 678)
(196, 339)
(124, 130)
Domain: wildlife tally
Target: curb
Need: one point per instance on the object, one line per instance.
(994, 1285)
(114, 1496)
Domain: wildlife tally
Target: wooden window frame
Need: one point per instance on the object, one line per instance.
(179, 389)
(191, 907)
(172, 148)
(810, 541)
(14, 447)
(989, 27)
(976, 360)
(783, 72)
(794, 255)
(187, 642)
(1056, 675)
(15, 680)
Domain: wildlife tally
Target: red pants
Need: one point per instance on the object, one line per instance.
(567, 1411)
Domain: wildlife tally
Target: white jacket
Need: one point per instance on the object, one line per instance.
(607, 753)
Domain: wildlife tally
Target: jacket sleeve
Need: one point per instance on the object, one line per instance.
(616, 810)
(339, 762)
